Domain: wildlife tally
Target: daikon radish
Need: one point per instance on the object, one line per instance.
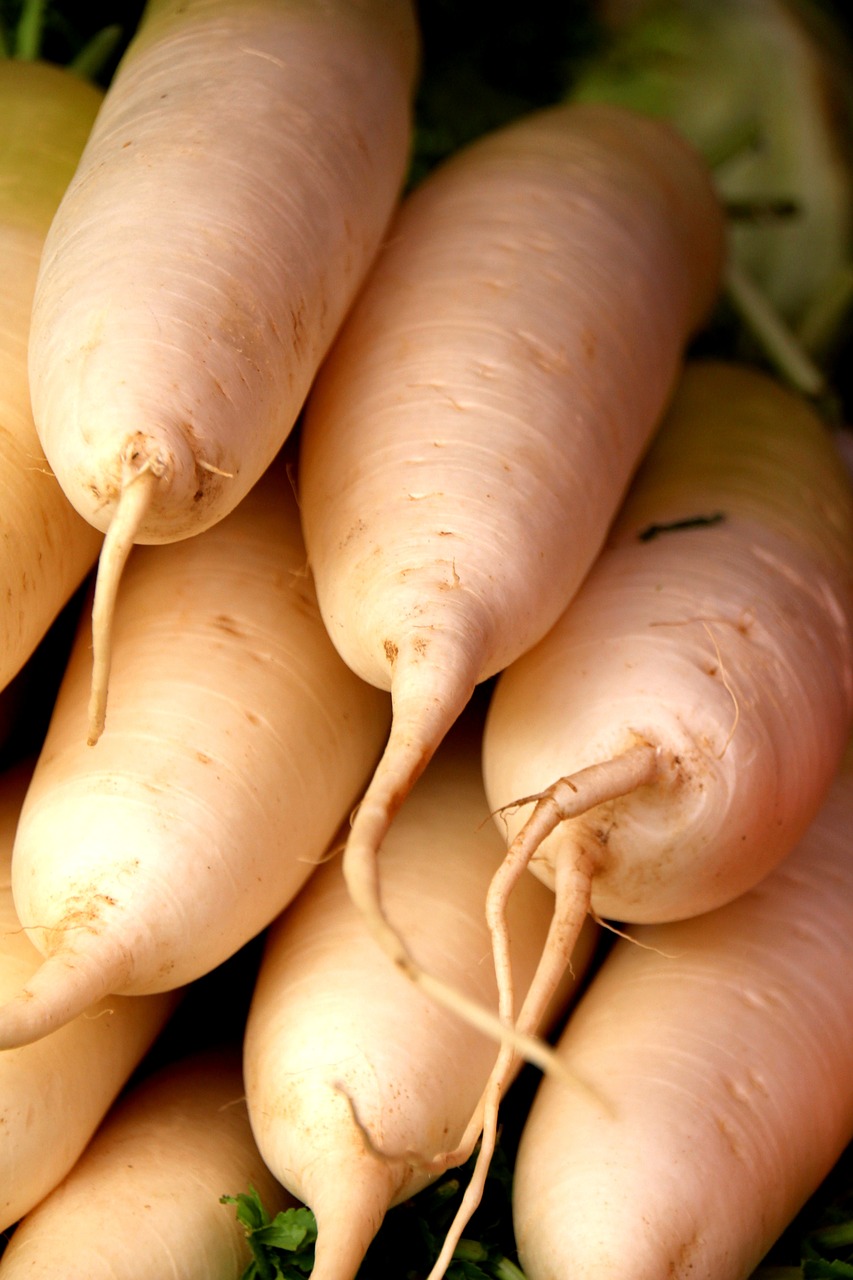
(672, 737)
(54, 1094)
(47, 549)
(471, 434)
(360, 1087)
(239, 742)
(722, 1052)
(142, 1202)
(231, 197)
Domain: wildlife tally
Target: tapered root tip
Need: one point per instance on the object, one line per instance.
(137, 491)
(62, 988)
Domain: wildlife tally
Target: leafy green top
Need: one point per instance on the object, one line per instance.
(282, 1247)
(411, 1236)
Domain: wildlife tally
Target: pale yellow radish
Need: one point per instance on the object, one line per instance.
(143, 1201)
(232, 195)
(46, 549)
(360, 1087)
(467, 441)
(239, 742)
(54, 1094)
(721, 1051)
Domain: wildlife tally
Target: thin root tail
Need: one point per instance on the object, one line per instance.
(137, 491)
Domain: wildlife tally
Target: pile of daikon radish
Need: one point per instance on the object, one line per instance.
(412, 547)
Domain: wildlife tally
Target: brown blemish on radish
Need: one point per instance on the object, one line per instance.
(358, 528)
(589, 344)
(223, 622)
(87, 917)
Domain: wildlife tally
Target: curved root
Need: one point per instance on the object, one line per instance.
(573, 872)
(137, 490)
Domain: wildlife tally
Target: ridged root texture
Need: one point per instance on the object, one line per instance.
(574, 871)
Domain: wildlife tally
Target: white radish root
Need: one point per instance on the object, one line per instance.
(231, 197)
(239, 742)
(360, 1087)
(53, 1094)
(697, 694)
(724, 1048)
(46, 549)
(143, 1200)
(470, 436)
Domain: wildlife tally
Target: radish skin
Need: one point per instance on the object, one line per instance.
(54, 1094)
(47, 548)
(128, 1209)
(707, 669)
(239, 742)
(232, 195)
(722, 1047)
(470, 436)
(360, 1088)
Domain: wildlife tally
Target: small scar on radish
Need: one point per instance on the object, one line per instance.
(366, 1137)
(673, 526)
(227, 624)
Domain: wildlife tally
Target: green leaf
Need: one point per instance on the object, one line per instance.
(822, 1269)
(289, 1230)
(459, 1269)
(250, 1211)
(763, 92)
(282, 1247)
(836, 1236)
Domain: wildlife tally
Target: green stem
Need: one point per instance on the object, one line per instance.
(28, 34)
(827, 311)
(740, 135)
(779, 344)
(835, 1237)
(506, 1270)
(470, 1251)
(96, 53)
